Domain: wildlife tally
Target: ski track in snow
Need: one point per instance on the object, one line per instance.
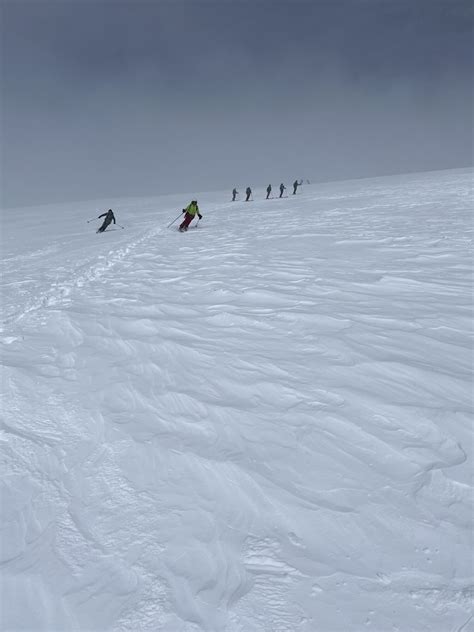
(262, 425)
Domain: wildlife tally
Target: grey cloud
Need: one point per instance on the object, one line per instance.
(115, 98)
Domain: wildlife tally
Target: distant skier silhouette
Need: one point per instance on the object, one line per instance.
(295, 186)
(248, 192)
(109, 217)
(235, 193)
(269, 190)
(282, 188)
(191, 211)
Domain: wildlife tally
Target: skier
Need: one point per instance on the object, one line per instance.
(269, 190)
(295, 186)
(248, 191)
(190, 213)
(109, 217)
(235, 193)
(282, 188)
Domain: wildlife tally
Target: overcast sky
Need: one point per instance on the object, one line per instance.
(109, 99)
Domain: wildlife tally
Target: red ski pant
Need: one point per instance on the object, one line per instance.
(186, 221)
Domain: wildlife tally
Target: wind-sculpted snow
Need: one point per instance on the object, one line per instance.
(262, 425)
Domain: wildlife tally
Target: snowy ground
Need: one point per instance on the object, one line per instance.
(262, 425)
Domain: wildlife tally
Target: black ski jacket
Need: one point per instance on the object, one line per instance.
(109, 215)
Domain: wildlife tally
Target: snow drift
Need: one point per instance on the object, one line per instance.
(263, 424)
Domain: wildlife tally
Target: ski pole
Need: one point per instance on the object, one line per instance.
(92, 219)
(120, 226)
(175, 220)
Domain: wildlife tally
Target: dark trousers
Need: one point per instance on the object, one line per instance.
(104, 225)
(294, 190)
(233, 197)
(186, 221)
(248, 197)
(268, 194)
(281, 193)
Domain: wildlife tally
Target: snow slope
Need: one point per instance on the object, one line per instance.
(261, 425)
